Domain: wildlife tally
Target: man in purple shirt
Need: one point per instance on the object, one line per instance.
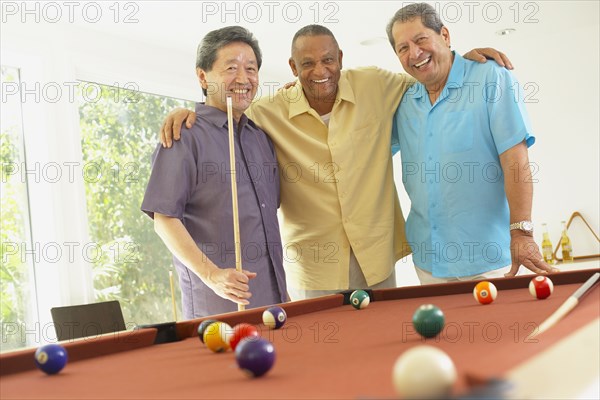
(193, 213)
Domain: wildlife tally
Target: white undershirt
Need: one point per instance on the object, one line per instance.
(325, 118)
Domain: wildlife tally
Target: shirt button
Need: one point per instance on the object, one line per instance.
(346, 220)
(333, 143)
(263, 205)
(430, 134)
(435, 228)
(431, 181)
(430, 158)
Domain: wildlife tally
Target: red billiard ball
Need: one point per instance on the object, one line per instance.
(541, 287)
(485, 292)
(241, 331)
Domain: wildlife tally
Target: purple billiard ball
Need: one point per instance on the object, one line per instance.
(274, 317)
(255, 356)
(51, 358)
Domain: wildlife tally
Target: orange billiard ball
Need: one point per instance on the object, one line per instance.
(485, 292)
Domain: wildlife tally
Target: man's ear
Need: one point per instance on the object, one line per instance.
(341, 55)
(202, 78)
(293, 66)
(445, 35)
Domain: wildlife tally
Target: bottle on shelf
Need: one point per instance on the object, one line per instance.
(565, 244)
(547, 246)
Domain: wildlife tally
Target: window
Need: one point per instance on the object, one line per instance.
(119, 129)
(18, 305)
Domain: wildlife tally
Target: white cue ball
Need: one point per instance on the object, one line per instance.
(424, 372)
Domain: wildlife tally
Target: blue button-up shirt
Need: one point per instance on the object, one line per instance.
(458, 223)
(191, 181)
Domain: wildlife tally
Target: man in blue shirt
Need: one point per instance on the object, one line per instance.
(189, 190)
(463, 133)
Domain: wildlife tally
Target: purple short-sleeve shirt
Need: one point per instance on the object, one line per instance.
(192, 181)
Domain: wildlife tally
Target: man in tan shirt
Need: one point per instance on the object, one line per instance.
(342, 223)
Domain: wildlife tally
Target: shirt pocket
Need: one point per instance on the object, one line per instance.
(458, 131)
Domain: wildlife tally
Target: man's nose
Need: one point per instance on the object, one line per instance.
(415, 51)
(241, 76)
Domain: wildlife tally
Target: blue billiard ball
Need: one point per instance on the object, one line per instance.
(274, 317)
(51, 358)
(255, 356)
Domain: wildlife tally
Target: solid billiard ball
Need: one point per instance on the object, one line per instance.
(485, 292)
(274, 317)
(541, 287)
(359, 299)
(424, 372)
(428, 320)
(51, 358)
(242, 331)
(202, 327)
(255, 356)
(217, 335)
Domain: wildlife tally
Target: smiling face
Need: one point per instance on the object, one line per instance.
(233, 74)
(424, 53)
(317, 62)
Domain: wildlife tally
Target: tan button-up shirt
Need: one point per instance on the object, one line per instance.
(337, 186)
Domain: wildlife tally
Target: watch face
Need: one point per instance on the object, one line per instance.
(527, 225)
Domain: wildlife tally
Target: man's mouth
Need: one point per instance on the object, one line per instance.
(240, 91)
(424, 62)
(320, 80)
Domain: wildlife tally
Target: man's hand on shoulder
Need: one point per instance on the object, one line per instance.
(487, 53)
(171, 127)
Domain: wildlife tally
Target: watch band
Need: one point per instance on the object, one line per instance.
(525, 226)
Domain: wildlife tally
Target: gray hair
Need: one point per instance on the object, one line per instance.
(428, 14)
(217, 39)
(313, 30)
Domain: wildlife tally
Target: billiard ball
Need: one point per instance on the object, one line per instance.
(241, 331)
(485, 292)
(359, 299)
(541, 287)
(274, 317)
(217, 336)
(428, 320)
(51, 358)
(202, 327)
(255, 356)
(424, 372)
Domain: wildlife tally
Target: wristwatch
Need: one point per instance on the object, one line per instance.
(525, 226)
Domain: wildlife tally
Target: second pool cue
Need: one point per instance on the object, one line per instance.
(173, 295)
(234, 197)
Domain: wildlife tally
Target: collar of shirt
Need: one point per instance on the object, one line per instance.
(301, 106)
(218, 117)
(455, 78)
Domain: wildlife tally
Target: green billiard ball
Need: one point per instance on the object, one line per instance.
(359, 299)
(428, 320)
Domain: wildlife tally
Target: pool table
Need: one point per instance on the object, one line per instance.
(328, 349)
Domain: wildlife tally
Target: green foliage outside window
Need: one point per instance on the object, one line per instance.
(119, 130)
(14, 222)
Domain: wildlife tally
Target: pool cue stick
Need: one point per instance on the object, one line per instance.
(566, 307)
(173, 295)
(234, 197)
